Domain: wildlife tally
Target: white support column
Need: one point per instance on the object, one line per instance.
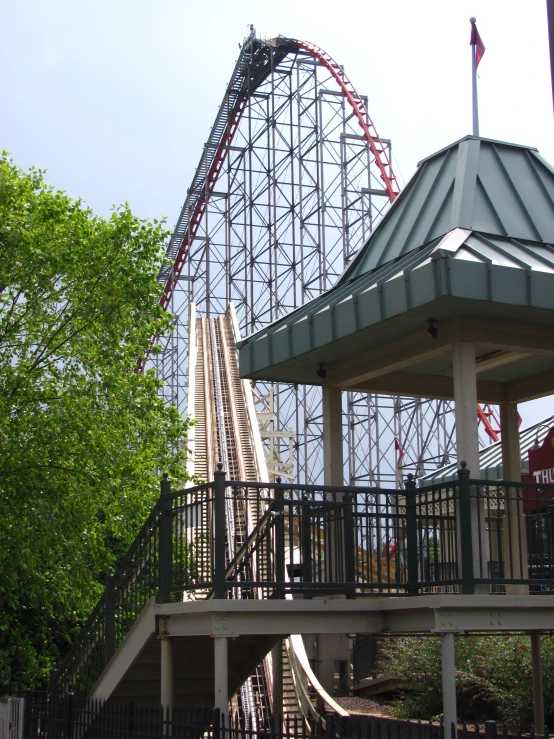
(277, 668)
(467, 446)
(221, 675)
(333, 473)
(514, 532)
(538, 698)
(465, 398)
(166, 673)
(448, 666)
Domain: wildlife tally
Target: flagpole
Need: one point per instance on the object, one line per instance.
(475, 102)
(550, 16)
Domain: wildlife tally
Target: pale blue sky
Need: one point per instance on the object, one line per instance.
(116, 98)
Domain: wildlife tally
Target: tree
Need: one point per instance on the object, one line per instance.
(83, 438)
(493, 676)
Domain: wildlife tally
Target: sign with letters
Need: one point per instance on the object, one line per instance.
(541, 470)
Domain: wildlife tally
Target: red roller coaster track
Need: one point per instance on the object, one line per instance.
(360, 111)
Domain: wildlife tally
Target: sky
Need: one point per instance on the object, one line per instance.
(115, 99)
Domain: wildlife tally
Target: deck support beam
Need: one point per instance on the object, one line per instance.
(221, 675)
(538, 698)
(277, 668)
(166, 673)
(448, 667)
(333, 461)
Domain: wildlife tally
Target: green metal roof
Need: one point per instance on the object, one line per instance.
(472, 234)
(490, 458)
(479, 184)
(509, 274)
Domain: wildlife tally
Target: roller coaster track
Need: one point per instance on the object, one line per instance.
(227, 430)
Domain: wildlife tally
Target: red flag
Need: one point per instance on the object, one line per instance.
(519, 421)
(398, 448)
(476, 41)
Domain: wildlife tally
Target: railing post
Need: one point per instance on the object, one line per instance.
(53, 709)
(217, 724)
(130, 720)
(279, 540)
(306, 543)
(330, 725)
(219, 532)
(344, 729)
(28, 713)
(166, 540)
(464, 529)
(67, 722)
(349, 547)
(411, 534)
(53, 681)
(491, 730)
(109, 616)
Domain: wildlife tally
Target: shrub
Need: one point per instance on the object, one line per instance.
(493, 676)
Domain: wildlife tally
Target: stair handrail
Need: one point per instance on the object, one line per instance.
(93, 633)
(103, 631)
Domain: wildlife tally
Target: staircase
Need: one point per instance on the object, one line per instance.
(134, 671)
(174, 560)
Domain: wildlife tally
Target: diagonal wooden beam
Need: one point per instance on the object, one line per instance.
(498, 358)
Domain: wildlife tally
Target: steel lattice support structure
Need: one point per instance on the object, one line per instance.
(289, 186)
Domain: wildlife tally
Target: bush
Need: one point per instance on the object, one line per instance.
(493, 677)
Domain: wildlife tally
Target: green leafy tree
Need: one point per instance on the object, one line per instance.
(83, 438)
(493, 677)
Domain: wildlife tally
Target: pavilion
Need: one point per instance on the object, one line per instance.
(452, 297)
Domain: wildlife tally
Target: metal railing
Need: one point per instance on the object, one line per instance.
(75, 717)
(514, 530)
(464, 536)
